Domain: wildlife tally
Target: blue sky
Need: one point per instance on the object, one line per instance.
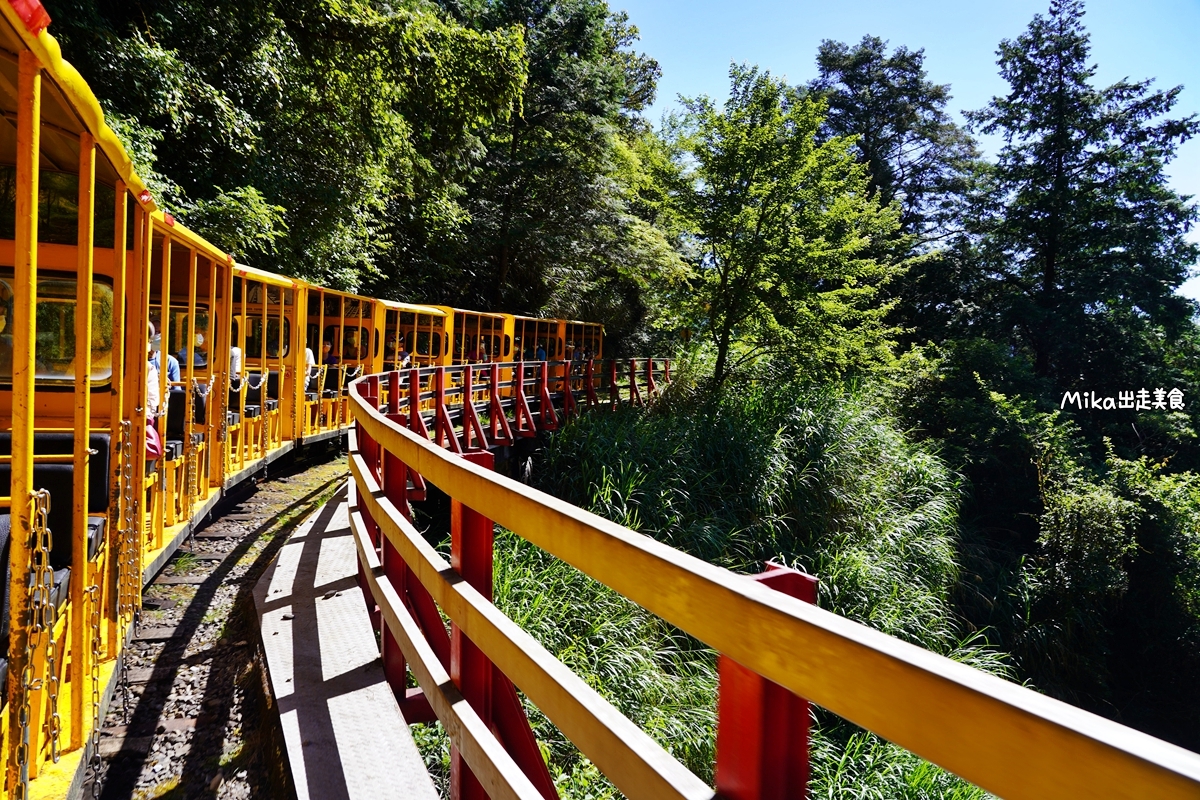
(695, 41)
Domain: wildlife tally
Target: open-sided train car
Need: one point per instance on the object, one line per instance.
(142, 374)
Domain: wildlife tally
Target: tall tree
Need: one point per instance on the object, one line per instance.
(292, 124)
(551, 219)
(1080, 240)
(784, 226)
(914, 151)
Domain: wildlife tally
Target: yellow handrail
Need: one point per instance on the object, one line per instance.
(1003, 737)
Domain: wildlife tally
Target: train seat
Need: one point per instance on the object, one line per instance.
(272, 398)
(58, 479)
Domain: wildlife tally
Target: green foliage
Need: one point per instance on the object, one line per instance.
(1080, 238)
(783, 227)
(550, 196)
(817, 479)
(914, 152)
(866, 767)
(326, 110)
(240, 221)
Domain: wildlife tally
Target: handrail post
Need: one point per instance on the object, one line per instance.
(651, 386)
(762, 728)
(635, 394)
(592, 400)
(614, 394)
(471, 553)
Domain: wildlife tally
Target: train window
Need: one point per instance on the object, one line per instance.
(254, 341)
(55, 348)
(423, 344)
(350, 343)
(58, 204)
(334, 340)
(177, 335)
(507, 345)
(273, 338)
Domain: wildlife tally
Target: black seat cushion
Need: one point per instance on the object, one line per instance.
(311, 397)
(273, 385)
(176, 402)
(272, 405)
(197, 438)
(173, 450)
(252, 411)
(46, 444)
(232, 418)
(332, 379)
(96, 527)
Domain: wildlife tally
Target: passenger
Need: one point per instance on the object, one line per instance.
(235, 362)
(328, 357)
(310, 361)
(152, 379)
(541, 352)
(172, 362)
(404, 358)
(199, 353)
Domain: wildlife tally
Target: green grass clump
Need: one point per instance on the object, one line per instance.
(821, 480)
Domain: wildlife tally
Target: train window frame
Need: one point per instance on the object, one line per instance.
(53, 382)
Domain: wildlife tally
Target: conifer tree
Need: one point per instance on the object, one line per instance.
(1081, 242)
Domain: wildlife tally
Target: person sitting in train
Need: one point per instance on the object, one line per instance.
(235, 362)
(172, 361)
(328, 357)
(152, 379)
(541, 352)
(403, 358)
(199, 353)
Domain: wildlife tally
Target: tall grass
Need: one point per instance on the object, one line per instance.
(822, 480)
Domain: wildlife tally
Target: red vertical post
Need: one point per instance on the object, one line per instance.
(471, 556)
(762, 728)
(592, 400)
(547, 417)
(635, 394)
(651, 386)
(614, 394)
(666, 370)
(395, 488)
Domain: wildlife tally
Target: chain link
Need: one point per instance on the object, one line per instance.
(39, 566)
(96, 763)
(49, 610)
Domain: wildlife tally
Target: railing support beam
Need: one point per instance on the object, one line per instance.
(762, 728)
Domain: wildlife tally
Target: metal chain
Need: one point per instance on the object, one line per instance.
(39, 551)
(96, 763)
(45, 538)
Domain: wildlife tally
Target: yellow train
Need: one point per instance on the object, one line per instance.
(145, 373)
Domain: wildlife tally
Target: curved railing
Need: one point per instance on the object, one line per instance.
(1000, 736)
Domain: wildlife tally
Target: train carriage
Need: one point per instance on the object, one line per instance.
(144, 374)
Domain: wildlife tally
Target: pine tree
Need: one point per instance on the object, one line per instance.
(1081, 242)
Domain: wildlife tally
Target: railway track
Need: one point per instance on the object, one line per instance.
(188, 718)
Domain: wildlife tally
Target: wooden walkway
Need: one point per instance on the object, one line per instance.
(340, 720)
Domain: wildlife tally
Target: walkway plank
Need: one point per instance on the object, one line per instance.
(345, 736)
